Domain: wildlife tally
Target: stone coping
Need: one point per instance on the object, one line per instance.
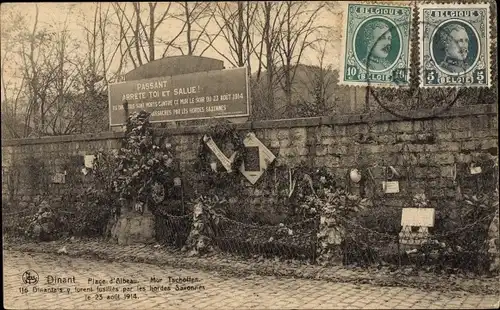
(346, 119)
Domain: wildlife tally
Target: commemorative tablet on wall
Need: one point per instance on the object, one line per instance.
(197, 95)
(455, 45)
(376, 49)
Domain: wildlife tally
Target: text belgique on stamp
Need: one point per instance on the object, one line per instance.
(454, 45)
(376, 45)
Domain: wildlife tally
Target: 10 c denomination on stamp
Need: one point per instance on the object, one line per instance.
(454, 45)
(376, 49)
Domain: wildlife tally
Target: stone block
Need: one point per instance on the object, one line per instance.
(459, 123)
(274, 143)
(447, 171)
(321, 150)
(374, 148)
(283, 134)
(303, 151)
(424, 159)
(320, 161)
(481, 121)
(485, 134)
(463, 158)
(332, 162)
(416, 148)
(406, 137)
(345, 140)
(395, 148)
(337, 149)
(348, 161)
(449, 146)
(298, 135)
(444, 136)
(284, 143)
(402, 126)
(326, 131)
(404, 160)
(418, 126)
(427, 125)
(439, 124)
(352, 130)
(339, 130)
(260, 135)
(272, 134)
(380, 128)
(386, 139)
(493, 122)
(427, 137)
(327, 140)
(444, 158)
(489, 143)
(471, 145)
(134, 228)
(431, 148)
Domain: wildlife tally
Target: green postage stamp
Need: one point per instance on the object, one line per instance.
(376, 49)
(454, 45)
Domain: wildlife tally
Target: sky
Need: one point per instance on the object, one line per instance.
(74, 14)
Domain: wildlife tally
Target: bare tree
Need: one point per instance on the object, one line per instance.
(265, 48)
(234, 19)
(319, 97)
(195, 18)
(299, 31)
(143, 25)
(11, 85)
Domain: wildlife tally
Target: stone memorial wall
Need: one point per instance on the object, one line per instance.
(436, 149)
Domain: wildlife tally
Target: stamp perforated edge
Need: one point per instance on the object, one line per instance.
(345, 8)
(420, 8)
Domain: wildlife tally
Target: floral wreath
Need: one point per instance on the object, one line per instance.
(222, 134)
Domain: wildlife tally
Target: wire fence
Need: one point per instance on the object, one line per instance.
(444, 250)
(295, 240)
(173, 230)
(362, 244)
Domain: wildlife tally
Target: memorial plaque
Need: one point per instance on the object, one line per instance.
(390, 187)
(202, 95)
(422, 217)
(252, 159)
(265, 157)
(89, 161)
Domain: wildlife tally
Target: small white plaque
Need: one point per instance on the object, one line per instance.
(475, 170)
(422, 217)
(390, 187)
(89, 161)
(59, 178)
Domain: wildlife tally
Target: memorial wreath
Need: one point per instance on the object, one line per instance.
(227, 138)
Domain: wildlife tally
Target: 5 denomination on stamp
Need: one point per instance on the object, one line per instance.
(454, 45)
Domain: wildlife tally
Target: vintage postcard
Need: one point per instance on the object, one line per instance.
(455, 45)
(376, 49)
(212, 155)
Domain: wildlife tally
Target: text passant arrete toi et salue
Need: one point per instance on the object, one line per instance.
(164, 93)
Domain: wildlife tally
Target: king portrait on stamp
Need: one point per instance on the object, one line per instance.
(454, 45)
(455, 39)
(376, 45)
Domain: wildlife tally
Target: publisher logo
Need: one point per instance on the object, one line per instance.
(30, 277)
